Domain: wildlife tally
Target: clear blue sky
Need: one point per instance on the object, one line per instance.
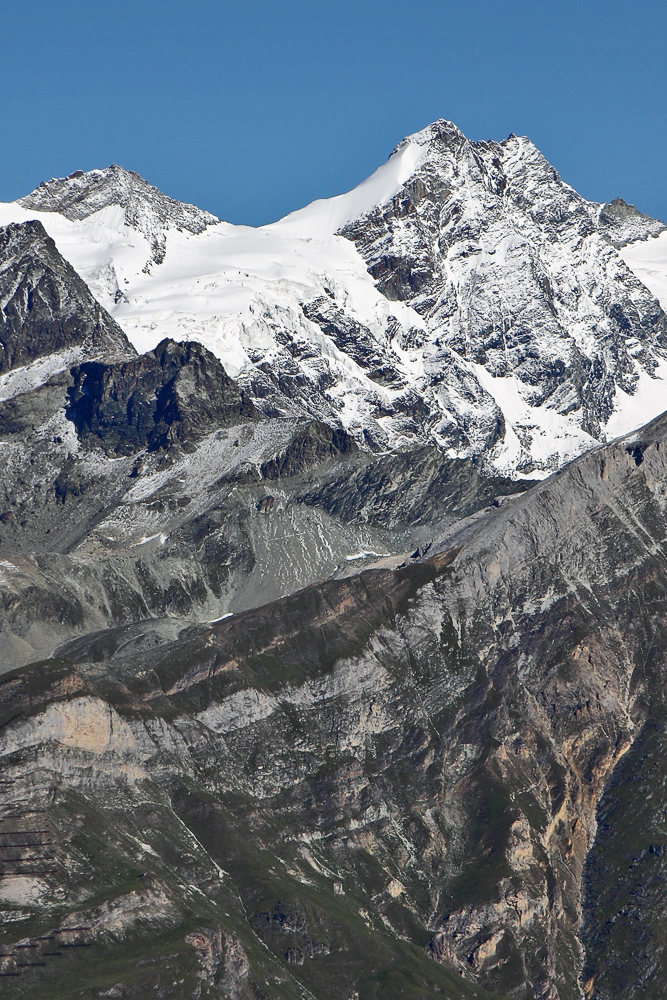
(253, 108)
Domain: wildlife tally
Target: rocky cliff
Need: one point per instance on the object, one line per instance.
(45, 307)
(510, 270)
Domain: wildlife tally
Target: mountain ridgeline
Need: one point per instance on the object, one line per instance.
(333, 591)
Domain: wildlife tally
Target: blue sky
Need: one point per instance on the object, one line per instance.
(253, 109)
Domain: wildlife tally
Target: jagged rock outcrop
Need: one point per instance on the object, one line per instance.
(174, 395)
(622, 223)
(45, 307)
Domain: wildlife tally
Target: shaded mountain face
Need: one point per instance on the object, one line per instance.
(45, 307)
(176, 394)
(623, 224)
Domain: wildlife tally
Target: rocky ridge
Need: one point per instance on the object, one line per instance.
(623, 224)
(145, 208)
(512, 273)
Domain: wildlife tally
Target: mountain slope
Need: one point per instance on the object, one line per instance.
(149, 489)
(513, 273)
(409, 755)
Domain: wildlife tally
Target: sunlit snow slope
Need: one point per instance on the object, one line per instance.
(463, 294)
(648, 260)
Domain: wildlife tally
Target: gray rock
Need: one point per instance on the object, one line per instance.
(45, 307)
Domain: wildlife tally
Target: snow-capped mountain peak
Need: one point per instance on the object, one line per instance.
(327, 216)
(145, 207)
(463, 295)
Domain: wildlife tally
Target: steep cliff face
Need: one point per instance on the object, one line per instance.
(623, 224)
(395, 768)
(175, 395)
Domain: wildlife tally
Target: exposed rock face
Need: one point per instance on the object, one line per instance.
(391, 775)
(310, 446)
(45, 307)
(145, 208)
(622, 223)
(176, 394)
(512, 272)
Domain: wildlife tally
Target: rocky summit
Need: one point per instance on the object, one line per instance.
(333, 590)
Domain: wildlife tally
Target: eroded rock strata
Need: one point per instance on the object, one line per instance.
(383, 782)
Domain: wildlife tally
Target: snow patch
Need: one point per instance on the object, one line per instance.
(539, 431)
(647, 402)
(23, 890)
(648, 260)
(151, 538)
(365, 554)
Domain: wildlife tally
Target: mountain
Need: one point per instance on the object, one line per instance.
(152, 489)
(332, 590)
(384, 784)
(462, 297)
(144, 208)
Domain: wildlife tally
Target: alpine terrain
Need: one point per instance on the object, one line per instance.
(333, 590)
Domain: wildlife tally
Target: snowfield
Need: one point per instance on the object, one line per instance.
(648, 260)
